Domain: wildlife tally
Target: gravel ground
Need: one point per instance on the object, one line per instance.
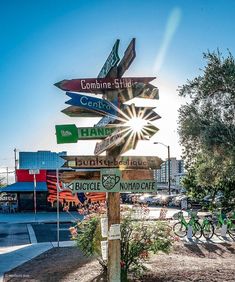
(187, 262)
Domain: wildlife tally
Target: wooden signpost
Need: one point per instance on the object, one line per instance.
(98, 85)
(126, 112)
(95, 174)
(74, 111)
(111, 181)
(126, 162)
(124, 135)
(92, 103)
(105, 121)
(139, 90)
(111, 173)
(113, 140)
(111, 61)
(69, 133)
(127, 59)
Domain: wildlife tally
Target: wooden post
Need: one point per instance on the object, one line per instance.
(114, 247)
(113, 212)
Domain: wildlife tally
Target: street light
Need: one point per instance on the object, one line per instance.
(169, 161)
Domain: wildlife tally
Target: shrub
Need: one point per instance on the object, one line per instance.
(138, 240)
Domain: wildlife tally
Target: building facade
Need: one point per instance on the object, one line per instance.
(177, 172)
(29, 188)
(41, 160)
(36, 183)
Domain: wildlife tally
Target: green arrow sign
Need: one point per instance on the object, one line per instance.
(69, 133)
(94, 132)
(111, 61)
(110, 181)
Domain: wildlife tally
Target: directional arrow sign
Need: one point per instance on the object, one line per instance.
(111, 181)
(69, 176)
(136, 186)
(127, 59)
(131, 139)
(69, 133)
(98, 85)
(85, 133)
(131, 111)
(74, 111)
(111, 61)
(91, 103)
(105, 121)
(124, 162)
(115, 139)
(127, 112)
(140, 90)
(123, 136)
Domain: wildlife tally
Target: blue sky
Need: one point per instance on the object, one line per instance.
(43, 42)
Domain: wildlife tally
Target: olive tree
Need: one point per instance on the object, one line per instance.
(207, 127)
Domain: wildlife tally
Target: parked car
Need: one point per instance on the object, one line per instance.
(156, 200)
(146, 199)
(126, 197)
(167, 200)
(177, 200)
(193, 203)
(207, 200)
(183, 200)
(130, 198)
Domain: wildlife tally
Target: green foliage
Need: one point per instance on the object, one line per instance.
(138, 239)
(2, 182)
(207, 126)
(87, 232)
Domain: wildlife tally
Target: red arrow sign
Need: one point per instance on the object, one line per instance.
(97, 85)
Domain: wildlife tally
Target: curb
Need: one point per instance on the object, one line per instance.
(22, 255)
(32, 235)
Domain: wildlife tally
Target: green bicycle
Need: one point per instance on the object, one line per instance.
(229, 221)
(207, 227)
(180, 228)
(231, 226)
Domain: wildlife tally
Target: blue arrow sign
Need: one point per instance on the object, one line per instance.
(91, 103)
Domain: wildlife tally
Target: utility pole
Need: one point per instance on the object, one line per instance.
(7, 176)
(15, 164)
(169, 170)
(169, 165)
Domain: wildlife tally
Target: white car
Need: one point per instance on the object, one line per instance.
(146, 199)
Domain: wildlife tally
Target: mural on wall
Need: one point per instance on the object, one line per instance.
(66, 197)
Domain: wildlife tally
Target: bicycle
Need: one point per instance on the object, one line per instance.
(181, 228)
(231, 226)
(207, 227)
(223, 219)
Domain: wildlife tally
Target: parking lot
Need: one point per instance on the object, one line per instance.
(162, 199)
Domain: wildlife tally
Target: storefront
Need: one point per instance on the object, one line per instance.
(21, 196)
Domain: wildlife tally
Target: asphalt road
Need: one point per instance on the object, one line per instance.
(13, 234)
(47, 232)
